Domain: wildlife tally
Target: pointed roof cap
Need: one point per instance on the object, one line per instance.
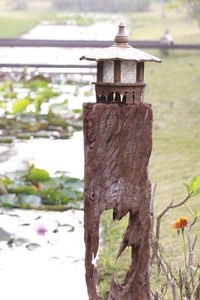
(121, 36)
(120, 50)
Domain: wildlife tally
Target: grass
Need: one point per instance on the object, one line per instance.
(14, 23)
(9, 29)
(150, 26)
(174, 92)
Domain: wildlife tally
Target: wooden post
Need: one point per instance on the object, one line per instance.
(117, 146)
(140, 72)
(100, 71)
(117, 71)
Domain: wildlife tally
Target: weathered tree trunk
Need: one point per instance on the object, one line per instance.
(118, 144)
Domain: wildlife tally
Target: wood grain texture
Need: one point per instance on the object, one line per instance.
(117, 146)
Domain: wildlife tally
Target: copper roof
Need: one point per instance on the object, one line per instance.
(121, 50)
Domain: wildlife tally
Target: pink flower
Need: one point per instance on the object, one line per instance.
(41, 229)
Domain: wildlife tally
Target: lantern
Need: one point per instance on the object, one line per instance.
(120, 71)
(117, 146)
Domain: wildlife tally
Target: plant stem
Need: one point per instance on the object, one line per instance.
(184, 247)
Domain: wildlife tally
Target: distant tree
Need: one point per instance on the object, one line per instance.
(17, 4)
(162, 3)
(193, 7)
(102, 5)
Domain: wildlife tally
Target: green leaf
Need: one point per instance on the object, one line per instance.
(47, 93)
(35, 84)
(38, 101)
(188, 187)
(77, 111)
(6, 181)
(10, 199)
(57, 190)
(195, 183)
(23, 189)
(196, 192)
(4, 86)
(88, 93)
(2, 105)
(10, 94)
(20, 105)
(38, 175)
(57, 121)
(195, 213)
(59, 107)
(30, 200)
(193, 186)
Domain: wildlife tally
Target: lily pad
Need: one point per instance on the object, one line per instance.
(34, 187)
(6, 140)
(10, 95)
(4, 235)
(38, 175)
(71, 227)
(10, 199)
(4, 86)
(35, 84)
(2, 104)
(31, 200)
(46, 134)
(22, 188)
(6, 181)
(38, 101)
(20, 105)
(32, 246)
(59, 107)
(18, 242)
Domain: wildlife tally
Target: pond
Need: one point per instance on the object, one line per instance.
(51, 155)
(48, 265)
(42, 252)
(100, 31)
(41, 266)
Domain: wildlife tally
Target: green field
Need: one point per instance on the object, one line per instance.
(13, 24)
(173, 89)
(150, 26)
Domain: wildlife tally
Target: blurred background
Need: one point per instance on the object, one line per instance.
(42, 89)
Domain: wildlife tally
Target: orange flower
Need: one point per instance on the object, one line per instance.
(181, 223)
(184, 222)
(176, 224)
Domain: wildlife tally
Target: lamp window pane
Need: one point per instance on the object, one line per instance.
(108, 71)
(128, 72)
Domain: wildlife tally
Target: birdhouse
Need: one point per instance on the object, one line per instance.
(120, 71)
